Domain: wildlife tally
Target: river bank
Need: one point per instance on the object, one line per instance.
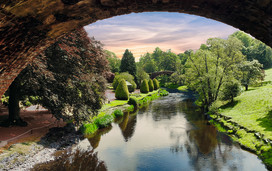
(248, 121)
(23, 156)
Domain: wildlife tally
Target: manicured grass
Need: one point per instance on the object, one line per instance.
(268, 75)
(105, 118)
(253, 110)
(183, 88)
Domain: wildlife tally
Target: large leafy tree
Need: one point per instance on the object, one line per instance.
(114, 61)
(251, 72)
(207, 70)
(255, 49)
(128, 63)
(67, 78)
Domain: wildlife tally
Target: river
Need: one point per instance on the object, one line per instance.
(169, 134)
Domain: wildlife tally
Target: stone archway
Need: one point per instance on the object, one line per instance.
(29, 26)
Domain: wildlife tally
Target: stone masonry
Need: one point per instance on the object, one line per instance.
(27, 27)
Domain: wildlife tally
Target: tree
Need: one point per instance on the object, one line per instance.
(207, 70)
(67, 78)
(141, 75)
(169, 61)
(128, 63)
(230, 90)
(114, 62)
(255, 49)
(251, 72)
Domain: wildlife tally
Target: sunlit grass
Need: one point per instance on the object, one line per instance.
(253, 110)
(183, 88)
(268, 75)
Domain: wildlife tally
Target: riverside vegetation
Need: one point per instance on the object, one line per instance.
(112, 110)
(248, 119)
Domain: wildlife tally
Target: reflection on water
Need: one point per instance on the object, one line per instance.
(170, 134)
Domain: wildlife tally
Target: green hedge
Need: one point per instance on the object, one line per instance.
(144, 87)
(126, 76)
(118, 113)
(121, 92)
(133, 101)
(156, 84)
(151, 85)
(104, 121)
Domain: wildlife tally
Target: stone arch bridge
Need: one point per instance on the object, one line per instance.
(159, 73)
(27, 27)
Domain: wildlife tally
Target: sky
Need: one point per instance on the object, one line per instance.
(143, 32)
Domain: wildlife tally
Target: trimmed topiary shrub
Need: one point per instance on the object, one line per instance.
(118, 113)
(133, 101)
(151, 85)
(126, 76)
(121, 92)
(156, 84)
(104, 121)
(144, 87)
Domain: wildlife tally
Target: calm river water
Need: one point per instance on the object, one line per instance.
(170, 134)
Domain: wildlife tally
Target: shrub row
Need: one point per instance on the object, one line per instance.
(149, 86)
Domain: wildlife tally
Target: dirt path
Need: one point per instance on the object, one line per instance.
(39, 121)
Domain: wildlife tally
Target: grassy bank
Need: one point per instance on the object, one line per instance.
(115, 109)
(248, 120)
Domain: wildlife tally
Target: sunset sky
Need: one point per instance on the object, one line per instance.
(143, 32)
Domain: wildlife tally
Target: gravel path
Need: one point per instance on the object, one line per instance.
(42, 151)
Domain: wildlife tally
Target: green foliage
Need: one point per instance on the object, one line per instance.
(230, 90)
(128, 63)
(114, 61)
(144, 86)
(121, 92)
(118, 113)
(67, 76)
(132, 87)
(141, 75)
(156, 84)
(88, 128)
(151, 85)
(255, 49)
(133, 101)
(126, 76)
(104, 121)
(163, 92)
(251, 72)
(207, 70)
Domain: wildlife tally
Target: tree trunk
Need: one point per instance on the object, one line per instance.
(13, 107)
(246, 86)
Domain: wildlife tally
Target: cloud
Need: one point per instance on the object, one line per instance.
(143, 32)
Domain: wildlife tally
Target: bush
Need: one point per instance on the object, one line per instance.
(231, 90)
(88, 128)
(156, 84)
(124, 75)
(103, 121)
(133, 87)
(151, 85)
(133, 101)
(121, 92)
(144, 87)
(118, 113)
(163, 92)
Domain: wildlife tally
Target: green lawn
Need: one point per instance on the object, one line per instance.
(268, 75)
(253, 108)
